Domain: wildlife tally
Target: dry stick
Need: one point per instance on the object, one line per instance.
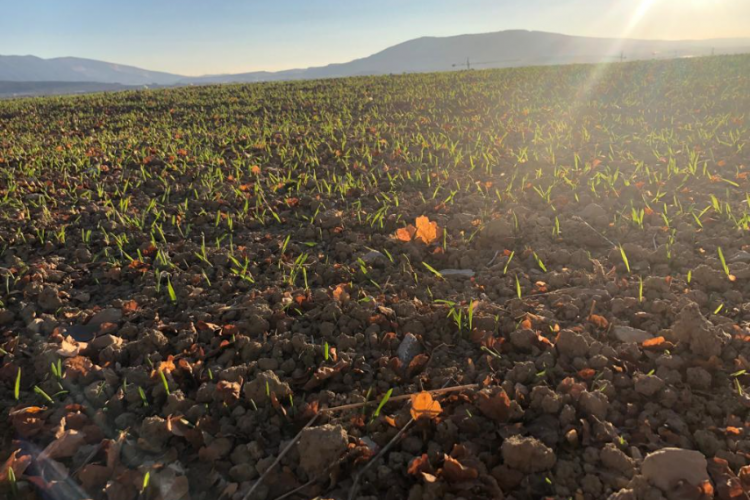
(278, 459)
(350, 407)
(355, 486)
(398, 398)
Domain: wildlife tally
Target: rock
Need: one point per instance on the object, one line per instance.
(572, 344)
(466, 273)
(6, 317)
(523, 340)
(527, 454)
(263, 384)
(698, 378)
(741, 256)
(666, 467)
(319, 447)
(648, 385)
(629, 334)
(110, 315)
(372, 256)
(595, 403)
(103, 341)
(267, 364)
(593, 214)
(623, 494)
(615, 459)
(408, 349)
(498, 233)
(49, 300)
(330, 219)
(703, 338)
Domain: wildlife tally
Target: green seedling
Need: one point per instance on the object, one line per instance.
(382, 403)
(625, 259)
(17, 386)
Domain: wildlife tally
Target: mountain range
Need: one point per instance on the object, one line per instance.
(426, 54)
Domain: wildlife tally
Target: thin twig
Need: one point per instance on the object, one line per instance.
(355, 486)
(278, 459)
(398, 398)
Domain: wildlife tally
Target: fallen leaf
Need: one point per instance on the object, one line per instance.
(18, 464)
(70, 348)
(130, 307)
(455, 472)
(427, 231)
(406, 233)
(656, 341)
(63, 447)
(599, 321)
(228, 391)
(494, 405)
(423, 406)
(419, 465)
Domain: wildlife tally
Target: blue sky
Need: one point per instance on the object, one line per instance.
(224, 36)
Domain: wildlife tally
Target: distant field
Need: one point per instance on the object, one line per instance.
(189, 276)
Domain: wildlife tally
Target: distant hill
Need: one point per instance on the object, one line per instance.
(495, 50)
(25, 89)
(488, 50)
(74, 69)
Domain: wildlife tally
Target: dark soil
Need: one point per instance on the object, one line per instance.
(190, 276)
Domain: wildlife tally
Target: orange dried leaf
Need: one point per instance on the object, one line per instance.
(427, 231)
(587, 373)
(406, 233)
(419, 465)
(424, 406)
(130, 307)
(526, 324)
(599, 321)
(656, 341)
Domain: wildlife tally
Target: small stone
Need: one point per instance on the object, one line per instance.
(110, 315)
(527, 454)
(629, 334)
(595, 403)
(49, 300)
(572, 344)
(666, 467)
(648, 385)
(319, 447)
(615, 459)
(264, 383)
(699, 378)
(465, 273)
(408, 349)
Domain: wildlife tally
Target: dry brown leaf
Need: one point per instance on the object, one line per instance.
(427, 231)
(494, 405)
(340, 294)
(130, 307)
(419, 465)
(70, 348)
(599, 321)
(417, 364)
(18, 464)
(455, 472)
(423, 406)
(64, 446)
(229, 391)
(94, 477)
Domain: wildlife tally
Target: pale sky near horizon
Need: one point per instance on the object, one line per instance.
(194, 37)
